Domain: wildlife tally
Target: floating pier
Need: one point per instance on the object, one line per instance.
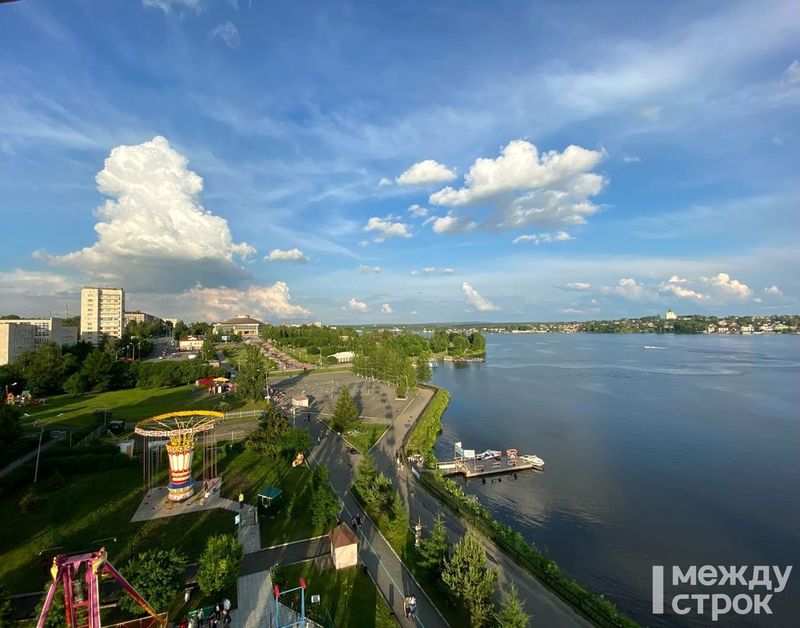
(472, 465)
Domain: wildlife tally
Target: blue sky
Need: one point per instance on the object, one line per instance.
(401, 162)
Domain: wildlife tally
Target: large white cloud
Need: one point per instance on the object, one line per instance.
(677, 286)
(726, 285)
(154, 233)
(453, 224)
(386, 308)
(290, 255)
(526, 188)
(480, 303)
(356, 306)
(385, 228)
(577, 286)
(265, 302)
(626, 287)
(774, 291)
(424, 172)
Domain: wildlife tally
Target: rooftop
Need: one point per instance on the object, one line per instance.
(242, 320)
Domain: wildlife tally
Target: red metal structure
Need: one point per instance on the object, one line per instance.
(83, 611)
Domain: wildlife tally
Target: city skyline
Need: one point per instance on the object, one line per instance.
(363, 164)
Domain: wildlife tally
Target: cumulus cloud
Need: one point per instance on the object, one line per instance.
(561, 236)
(414, 273)
(448, 271)
(386, 309)
(291, 255)
(453, 224)
(791, 75)
(356, 306)
(526, 188)
(774, 290)
(227, 33)
(626, 287)
(727, 286)
(369, 269)
(424, 172)
(676, 285)
(153, 232)
(36, 284)
(651, 113)
(577, 286)
(418, 211)
(263, 302)
(384, 182)
(480, 303)
(387, 229)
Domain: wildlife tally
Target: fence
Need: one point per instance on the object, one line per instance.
(92, 436)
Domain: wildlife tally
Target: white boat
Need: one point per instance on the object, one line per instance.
(534, 460)
(489, 453)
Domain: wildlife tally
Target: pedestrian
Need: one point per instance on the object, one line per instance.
(354, 524)
(407, 606)
(412, 606)
(359, 520)
(319, 439)
(241, 501)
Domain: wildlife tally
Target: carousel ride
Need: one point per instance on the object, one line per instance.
(180, 433)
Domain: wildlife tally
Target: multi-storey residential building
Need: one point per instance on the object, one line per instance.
(15, 338)
(50, 330)
(139, 317)
(102, 313)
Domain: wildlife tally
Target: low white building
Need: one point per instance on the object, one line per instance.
(49, 330)
(191, 343)
(343, 357)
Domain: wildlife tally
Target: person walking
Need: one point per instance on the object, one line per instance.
(412, 606)
(241, 500)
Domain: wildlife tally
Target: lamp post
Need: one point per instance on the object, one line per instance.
(39, 450)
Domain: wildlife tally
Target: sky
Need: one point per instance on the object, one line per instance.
(406, 162)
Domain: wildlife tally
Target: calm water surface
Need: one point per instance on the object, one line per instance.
(658, 449)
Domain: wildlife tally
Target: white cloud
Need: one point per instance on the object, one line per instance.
(527, 188)
(259, 301)
(228, 33)
(414, 273)
(774, 290)
(290, 255)
(651, 113)
(168, 5)
(154, 232)
(453, 224)
(757, 300)
(577, 286)
(561, 236)
(384, 182)
(36, 284)
(728, 286)
(386, 309)
(356, 305)
(387, 229)
(429, 270)
(791, 75)
(631, 159)
(448, 271)
(625, 287)
(418, 211)
(369, 269)
(424, 172)
(481, 304)
(676, 286)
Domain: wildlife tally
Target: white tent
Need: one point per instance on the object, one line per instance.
(344, 546)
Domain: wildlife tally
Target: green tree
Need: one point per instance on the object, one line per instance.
(470, 578)
(58, 612)
(319, 477)
(460, 345)
(345, 414)
(435, 550)
(325, 506)
(99, 370)
(43, 369)
(157, 575)
(296, 440)
(440, 341)
(77, 384)
(477, 342)
(423, 368)
(218, 567)
(207, 351)
(268, 437)
(10, 430)
(512, 612)
(252, 375)
(179, 330)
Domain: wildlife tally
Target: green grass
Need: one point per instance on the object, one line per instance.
(83, 515)
(348, 596)
(364, 436)
(131, 404)
(289, 519)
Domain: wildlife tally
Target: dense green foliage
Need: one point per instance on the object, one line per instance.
(512, 612)
(58, 611)
(470, 579)
(435, 550)
(172, 372)
(421, 439)
(10, 431)
(251, 379)
(157, 575)
(345, 413)
(276, 438)
(325, 506)
(218, 567)
(375, 490)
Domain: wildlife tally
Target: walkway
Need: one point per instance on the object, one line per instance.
(285, 554)
(29, 456)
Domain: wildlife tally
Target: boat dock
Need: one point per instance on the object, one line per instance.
(478, 468)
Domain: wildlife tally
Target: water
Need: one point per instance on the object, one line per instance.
(658, 449)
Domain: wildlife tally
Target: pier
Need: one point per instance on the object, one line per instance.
(482, 468)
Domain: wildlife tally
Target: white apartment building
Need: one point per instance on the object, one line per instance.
(50, 330)
(139, 317)
(102, 313)
(15, 338)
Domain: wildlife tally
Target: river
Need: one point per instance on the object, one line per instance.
(659, 450)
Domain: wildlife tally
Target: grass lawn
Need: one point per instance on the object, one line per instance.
(131, 404)
(89, 512)
(348, 596)
(365, 435)
(289, 519)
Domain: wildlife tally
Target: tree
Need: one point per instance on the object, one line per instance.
(157, 575)
(423, 368)
(470, 578)
(56, 616)
(460, 345)
(43, 369)
(440, 341)
(208, 351)
(477, 342)
(295, 440)
(345, 414)
(179, 330)
(435, 550)
(319, 477)
(512, 613)
(99, 371)
(325, 506)
(252, 375)
(218, 567)
(268, 437)
(365, 475)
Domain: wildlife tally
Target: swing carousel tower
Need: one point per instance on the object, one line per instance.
(181, 430)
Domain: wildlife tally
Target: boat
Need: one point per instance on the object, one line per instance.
(531, 459)
(489, 453)
(511, 453)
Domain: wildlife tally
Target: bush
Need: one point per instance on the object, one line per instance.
(422, 437)
(157, 575)
(218, 567)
